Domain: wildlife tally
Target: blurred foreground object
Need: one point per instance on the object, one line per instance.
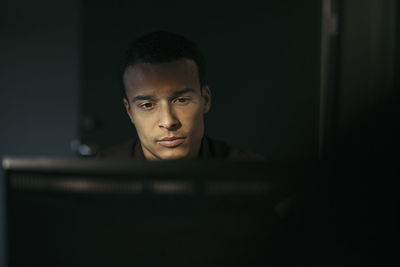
(86, 212)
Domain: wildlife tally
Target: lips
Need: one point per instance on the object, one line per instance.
(171, 142)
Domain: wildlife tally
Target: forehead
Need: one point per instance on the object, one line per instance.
(162, 77)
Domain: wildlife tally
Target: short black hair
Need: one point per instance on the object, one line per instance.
(162, 47)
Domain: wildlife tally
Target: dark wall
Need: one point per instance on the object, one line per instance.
(39, 63)
(263, 69)
(366, 80)
(39, 77)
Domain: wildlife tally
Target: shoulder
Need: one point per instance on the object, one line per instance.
(120, 151)
(218, 149)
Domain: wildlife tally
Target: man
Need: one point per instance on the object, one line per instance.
(166, 97)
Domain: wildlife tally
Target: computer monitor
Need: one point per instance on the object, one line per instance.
(90, 212)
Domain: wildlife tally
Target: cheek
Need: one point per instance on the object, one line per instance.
(142, 125)
(193, 119)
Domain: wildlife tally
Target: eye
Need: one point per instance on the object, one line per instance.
(146, 105)
(182, 100)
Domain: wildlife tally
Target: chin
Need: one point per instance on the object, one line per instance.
(174, 155)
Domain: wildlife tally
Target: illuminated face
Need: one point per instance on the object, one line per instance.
(166, 105)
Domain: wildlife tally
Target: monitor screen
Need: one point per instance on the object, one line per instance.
(89, 212)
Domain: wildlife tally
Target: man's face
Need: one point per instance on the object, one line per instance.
(166, 105)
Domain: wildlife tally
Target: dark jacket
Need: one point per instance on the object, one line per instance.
(210, 149)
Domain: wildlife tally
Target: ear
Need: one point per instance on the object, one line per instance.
(206, 94)
(128, 109)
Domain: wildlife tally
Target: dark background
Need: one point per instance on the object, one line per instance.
(289, 80)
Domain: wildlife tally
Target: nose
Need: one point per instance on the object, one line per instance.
(168, 119)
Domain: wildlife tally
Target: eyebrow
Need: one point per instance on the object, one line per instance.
(182, 92)
(142, 97)
(174, 95)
